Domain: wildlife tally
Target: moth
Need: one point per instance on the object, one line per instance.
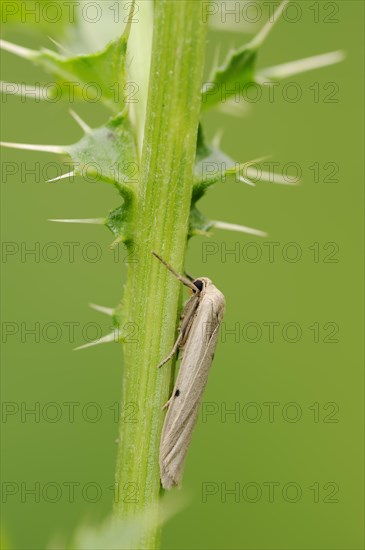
(198, 333)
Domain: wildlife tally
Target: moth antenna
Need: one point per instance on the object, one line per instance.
(184, 280)
(188, 276)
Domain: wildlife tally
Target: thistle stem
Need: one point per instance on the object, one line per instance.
(161, 224)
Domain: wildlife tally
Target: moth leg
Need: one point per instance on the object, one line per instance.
(186, 320)
(167, 403)
(174, 349)
(175, 393)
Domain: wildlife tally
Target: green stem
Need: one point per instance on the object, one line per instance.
(162, 214)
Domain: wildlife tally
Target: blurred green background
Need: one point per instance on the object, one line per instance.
(298, 405)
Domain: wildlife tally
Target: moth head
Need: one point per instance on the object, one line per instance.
(200, 284)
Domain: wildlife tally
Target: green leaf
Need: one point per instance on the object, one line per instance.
(238, 69)
(108, 153)
(236, 72)
(105, 154)
(95, 26)
(116, 534)
(211, 166)
(98, 73)
(99, 76)
(119, 222)
(198, 223)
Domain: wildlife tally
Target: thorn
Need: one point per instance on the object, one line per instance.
(128, 26)
(16, 49)
(216, 141)
(117, 241)
(258, 40)
(257, 160)
(59, 46)
(112, 337)
(239, 228)
(30, 147)
(302, 65)
(107, 310)
(201, 233)
(91, 221)
(22, 90)
(240, 166)
(215, 62)
(85, 127)
(232, 108)
(67, 175)
(271, 177)
(262, 79)
(246, 180)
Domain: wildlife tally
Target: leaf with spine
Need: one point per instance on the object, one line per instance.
(104, 71)
(223, 165)
(213, 165)
(206, 156)
(238, 68)
(118, 222)
(88, 35)
(198, 223)
(116, 534)
(117, 313)
(209, 157)
(75, 29)
(107, 153)
(122, 331)
(299, 66)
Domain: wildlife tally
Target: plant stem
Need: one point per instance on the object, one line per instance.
(161, 224)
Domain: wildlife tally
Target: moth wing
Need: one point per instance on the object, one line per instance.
(183, 411)
(172, 457)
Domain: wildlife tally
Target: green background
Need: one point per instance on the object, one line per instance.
(227, 451)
